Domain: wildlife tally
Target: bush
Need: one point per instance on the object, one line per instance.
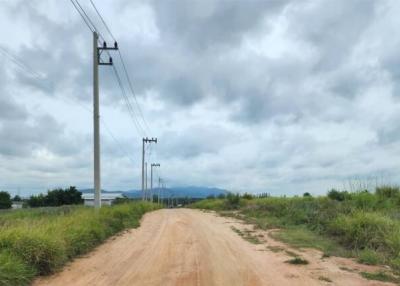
(232, 201)
(369, 257)
(247, 196)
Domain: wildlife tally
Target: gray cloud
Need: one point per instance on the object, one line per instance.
(265, 95)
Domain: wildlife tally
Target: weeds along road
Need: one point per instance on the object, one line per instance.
(190, 247)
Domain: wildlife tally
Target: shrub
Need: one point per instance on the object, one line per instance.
(337, 195)
(247, 196)
(369, 257)
(232, 201)
(363, 230)
(387, 191)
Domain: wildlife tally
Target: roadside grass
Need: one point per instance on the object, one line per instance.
(380, 276)
(370, 257)
(301, 237)
(40, 241)
(323, 278)
(275, 248)
(362, 224)
(247, 235)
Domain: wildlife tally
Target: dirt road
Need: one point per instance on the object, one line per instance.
(190, 247)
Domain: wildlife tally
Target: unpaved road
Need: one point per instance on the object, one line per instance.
(190, 247)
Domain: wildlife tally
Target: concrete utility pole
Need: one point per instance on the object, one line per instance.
(159, 189)
(96, 114)
(145, 181)
(151, 179)
(145, 140)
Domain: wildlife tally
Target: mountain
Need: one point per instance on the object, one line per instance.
(182, 192)
(86, 191)
(176, 192)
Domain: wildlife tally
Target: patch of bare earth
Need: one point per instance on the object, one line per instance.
(190, 247)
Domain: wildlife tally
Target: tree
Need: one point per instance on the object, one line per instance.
(307, 194)
(36, 201)
(57, 197)
(16, 199)
(5, 200)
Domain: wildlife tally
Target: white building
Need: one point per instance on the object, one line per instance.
(16, 205)
(106, 198)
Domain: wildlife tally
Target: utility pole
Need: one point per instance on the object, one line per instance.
(151, 178)
(159, 189)
(96, 113)
(145, 184)
(145, 140)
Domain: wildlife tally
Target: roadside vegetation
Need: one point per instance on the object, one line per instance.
(40, 241)
(361, 224)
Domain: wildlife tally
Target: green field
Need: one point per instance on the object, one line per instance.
(40, 241)
(363, 224)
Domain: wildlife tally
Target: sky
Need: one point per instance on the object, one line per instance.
(283, 97)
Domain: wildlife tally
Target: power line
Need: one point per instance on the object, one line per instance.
(132, 90)
(116, 141)
(104, 22)
(130, 109)
(83, 17)
(124, 68)
(126, 98)
(20, 63)
(37, 76)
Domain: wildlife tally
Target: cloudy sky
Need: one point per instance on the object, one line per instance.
(276, 95)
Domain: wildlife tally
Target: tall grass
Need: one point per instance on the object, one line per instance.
(364, 223)
(40, 241)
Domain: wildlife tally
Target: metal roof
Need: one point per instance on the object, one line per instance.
(104, 196)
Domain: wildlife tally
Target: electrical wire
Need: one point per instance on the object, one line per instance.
(116, 141)
(104, 22)
(83, 17)
(124, 68)
(138, 127)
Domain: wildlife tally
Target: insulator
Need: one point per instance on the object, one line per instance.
(111, 60)
(104, 44)
(116, 45)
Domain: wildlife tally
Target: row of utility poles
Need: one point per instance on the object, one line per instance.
(97, 51)
(145, 194)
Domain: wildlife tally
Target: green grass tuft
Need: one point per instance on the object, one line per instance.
(297, 261)
(323, 278)
(380, 276)
(370, 257)
(13, 271)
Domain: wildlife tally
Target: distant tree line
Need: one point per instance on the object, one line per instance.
(56, 197)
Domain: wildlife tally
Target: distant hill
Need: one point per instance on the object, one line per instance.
(181, 192)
